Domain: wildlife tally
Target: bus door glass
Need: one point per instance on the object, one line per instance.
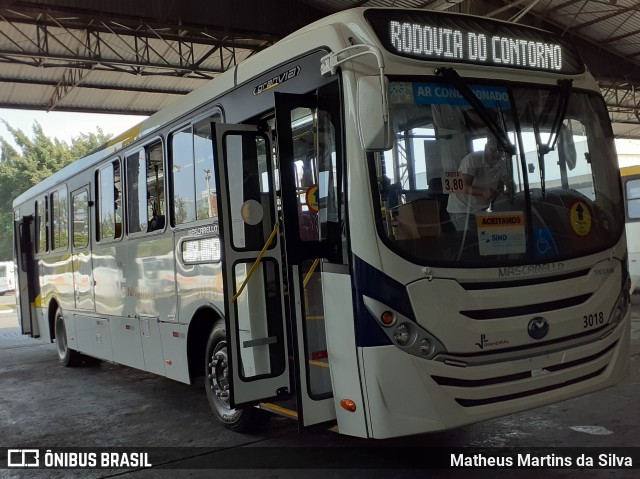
(307, 132)
(81, 252)
(252, 265)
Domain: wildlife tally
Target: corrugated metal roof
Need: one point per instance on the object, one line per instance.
(137, 57)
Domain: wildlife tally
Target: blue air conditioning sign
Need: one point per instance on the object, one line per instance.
(461, 38)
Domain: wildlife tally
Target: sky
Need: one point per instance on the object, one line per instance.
(64, 126)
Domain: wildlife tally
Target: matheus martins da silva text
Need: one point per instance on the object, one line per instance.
(547, 460)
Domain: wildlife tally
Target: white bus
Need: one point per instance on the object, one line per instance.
(284, 232)
(631, 190)
(7, 277)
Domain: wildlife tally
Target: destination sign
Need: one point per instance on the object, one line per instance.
(467, 39)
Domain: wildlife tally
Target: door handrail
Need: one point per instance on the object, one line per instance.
(310, 273)
(256, 262)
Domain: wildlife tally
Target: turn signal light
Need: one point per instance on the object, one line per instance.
(348, 404)
(387, 318)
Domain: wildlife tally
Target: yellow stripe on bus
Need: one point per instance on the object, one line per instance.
(629, 171)
(318, 363)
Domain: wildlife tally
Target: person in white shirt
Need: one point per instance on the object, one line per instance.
(483, 176)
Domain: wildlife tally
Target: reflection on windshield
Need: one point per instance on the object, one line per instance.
(449, 192)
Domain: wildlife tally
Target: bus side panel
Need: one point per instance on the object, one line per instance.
(108, 277)
(633, 244)
(149, 278)
(152, 346)
(56, 281)
(343, 357)
(126, 336)
(94, 336)
(174, 346)
(41, 323)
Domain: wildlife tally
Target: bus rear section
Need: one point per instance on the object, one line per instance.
(631, 190)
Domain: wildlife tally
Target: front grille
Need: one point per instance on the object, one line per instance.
(475, 286)
(509, 397)
(474, 384)
(528, 309)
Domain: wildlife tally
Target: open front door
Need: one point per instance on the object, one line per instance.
(252, 266)
(308, 132)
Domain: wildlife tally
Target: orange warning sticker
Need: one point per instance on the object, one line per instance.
(312, 198)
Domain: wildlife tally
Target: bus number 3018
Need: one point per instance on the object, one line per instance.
(593, 320)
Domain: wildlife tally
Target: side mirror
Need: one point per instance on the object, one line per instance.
(373, 114)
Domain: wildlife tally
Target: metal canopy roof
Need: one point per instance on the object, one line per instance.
(136, 57)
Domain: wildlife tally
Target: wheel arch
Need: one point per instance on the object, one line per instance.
(54, 305)
(200, 327)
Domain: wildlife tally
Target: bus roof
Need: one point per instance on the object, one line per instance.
(324, 33)
(271, 57)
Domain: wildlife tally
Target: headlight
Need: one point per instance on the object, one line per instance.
(402, 334)
(425, 347)
(620, 308)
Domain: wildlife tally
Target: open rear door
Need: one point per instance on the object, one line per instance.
(252, 266)
(27, 287)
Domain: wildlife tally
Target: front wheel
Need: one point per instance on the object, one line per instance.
(68, 357)
(217, 384)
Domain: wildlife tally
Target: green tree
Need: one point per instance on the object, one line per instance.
(36, 158)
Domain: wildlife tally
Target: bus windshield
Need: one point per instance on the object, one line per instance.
(451, 193)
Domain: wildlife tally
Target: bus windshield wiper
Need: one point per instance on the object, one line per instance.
(561, 112)
(541, 149)
(496, 129)
(554, 134)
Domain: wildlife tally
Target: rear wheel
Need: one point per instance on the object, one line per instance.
(246, 419)
(68, 357)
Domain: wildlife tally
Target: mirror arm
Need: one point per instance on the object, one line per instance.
(329, 65)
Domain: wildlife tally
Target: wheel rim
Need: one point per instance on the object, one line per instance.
(61, 338)
(218, 374)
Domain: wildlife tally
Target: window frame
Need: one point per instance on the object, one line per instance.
(143, 150)
(62, 195)
(98, 175)
(214, 116)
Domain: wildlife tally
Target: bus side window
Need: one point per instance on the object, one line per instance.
(193, 182)
(156, 209)
(633, 199)
(109, 215)
(59, 221)
(146, 210)
(42, 224)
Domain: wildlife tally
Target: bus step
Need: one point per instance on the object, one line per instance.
(282, 408)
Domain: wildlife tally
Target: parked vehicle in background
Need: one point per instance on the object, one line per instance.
(7, 277)
(631, 190)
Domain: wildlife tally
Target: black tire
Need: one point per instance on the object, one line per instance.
(67, 357)
(246, 419)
